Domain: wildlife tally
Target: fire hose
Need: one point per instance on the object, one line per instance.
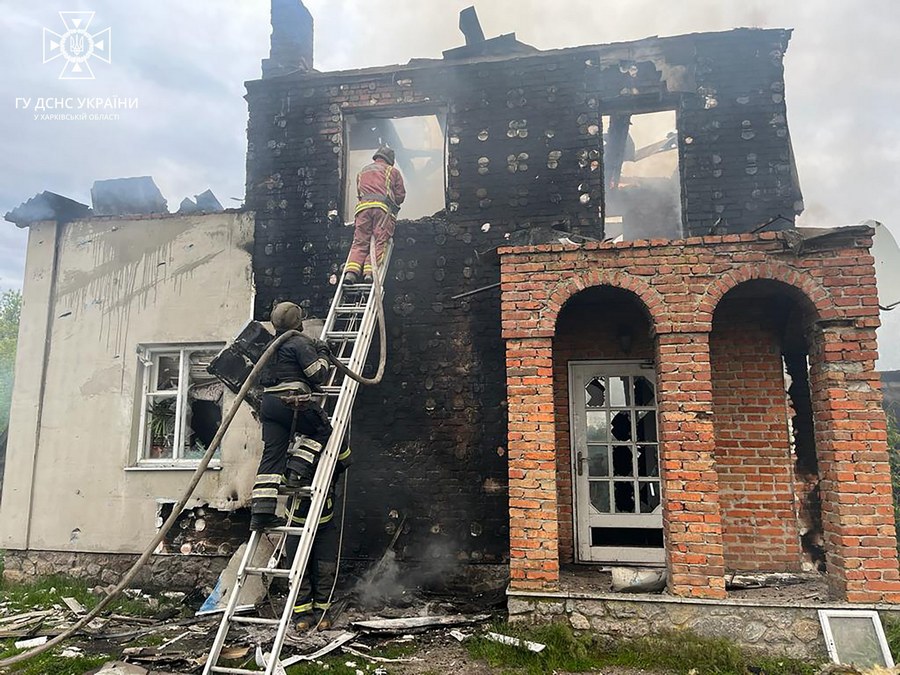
(204, 462)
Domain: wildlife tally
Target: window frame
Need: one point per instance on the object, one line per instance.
(353, 115)
(148, 361)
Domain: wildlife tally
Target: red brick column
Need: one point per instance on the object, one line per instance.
(851, 444)
(692, 522)
(533, 518)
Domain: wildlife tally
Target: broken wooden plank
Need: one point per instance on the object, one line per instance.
(339, 641)
(15, 618)
(535, 647)
(77, 608)
(418, 623)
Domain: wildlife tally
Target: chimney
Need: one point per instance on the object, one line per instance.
(292, 39)
(471, 26)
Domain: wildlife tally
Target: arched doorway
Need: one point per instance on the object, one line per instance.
(609, 485)
(764, 442)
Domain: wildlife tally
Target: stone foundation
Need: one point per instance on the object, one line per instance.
(161, 573)
(779, 629)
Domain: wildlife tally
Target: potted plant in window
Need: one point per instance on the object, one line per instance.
(162, 427)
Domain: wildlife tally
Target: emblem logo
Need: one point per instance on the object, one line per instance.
(77, 46)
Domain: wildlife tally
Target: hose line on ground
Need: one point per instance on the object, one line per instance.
(170, 521)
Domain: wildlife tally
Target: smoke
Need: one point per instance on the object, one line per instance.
(391, 582)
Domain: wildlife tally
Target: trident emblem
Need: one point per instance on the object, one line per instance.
(77, 46)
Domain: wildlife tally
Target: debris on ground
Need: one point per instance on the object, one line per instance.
(535, 647)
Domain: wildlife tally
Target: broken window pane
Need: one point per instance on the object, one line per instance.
(600, 495)
(643, 185)
(649, 496)
(595, 393)
(624, 496)
(167, 367)
(621, 426)
(419, 145)
(183, 404)
(598, 460)
(646, 426)
(619, 394)
(644, 392)
(597, 426)
(204, 409)
(623, 460)
(648, 461)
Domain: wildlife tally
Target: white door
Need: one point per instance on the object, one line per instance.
(615, 462)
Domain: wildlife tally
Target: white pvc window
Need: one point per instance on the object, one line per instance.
(181, 404)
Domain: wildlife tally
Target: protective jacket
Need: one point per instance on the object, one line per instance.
(380, 186)
(300, 364)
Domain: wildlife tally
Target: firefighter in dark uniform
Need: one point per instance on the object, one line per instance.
(294, 429)
(314, 599)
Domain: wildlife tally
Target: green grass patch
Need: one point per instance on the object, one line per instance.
(891, 626)
(48, 591)
(672, 652)
(52, 663)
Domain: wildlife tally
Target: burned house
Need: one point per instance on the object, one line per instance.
(607, 340)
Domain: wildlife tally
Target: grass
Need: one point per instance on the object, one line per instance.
(44, 594)
(674, 652)
(892, 633)
(48, 591)
(52, 663)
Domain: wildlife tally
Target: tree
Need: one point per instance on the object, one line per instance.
(10, 310)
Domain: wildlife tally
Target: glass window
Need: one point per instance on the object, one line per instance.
(182, 404)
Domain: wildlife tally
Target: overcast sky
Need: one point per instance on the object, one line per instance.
(186, 62)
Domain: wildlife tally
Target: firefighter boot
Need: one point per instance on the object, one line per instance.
(259, 522)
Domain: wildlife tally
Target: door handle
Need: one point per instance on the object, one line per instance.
(580, 459)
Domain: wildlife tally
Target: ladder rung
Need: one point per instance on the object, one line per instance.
(233, 671)
(331, 390)
(350, 309)
(289, 530)
(357, 287)
(255, 620)
(341, 335)
(272, 571)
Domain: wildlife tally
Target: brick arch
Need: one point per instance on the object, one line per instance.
(817, 297)
(569, 287)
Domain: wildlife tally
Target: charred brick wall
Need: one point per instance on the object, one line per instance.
(754, 462)
(524, 158)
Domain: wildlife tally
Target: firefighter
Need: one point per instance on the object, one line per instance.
(294, 428)
(380, 190)
(314, 599)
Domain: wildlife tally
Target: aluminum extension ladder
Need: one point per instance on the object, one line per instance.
(349, 329)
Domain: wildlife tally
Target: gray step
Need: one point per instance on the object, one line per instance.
(233, 671)
(349, 309)
(255, 620)
(271, 571)
(341, 335)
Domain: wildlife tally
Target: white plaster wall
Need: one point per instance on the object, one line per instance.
(119, 284)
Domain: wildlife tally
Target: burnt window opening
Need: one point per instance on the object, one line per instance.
(420, 147)
(642, 176)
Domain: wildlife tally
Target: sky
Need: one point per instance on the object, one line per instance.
(186, 62)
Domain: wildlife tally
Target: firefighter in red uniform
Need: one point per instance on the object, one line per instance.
(380, 190)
